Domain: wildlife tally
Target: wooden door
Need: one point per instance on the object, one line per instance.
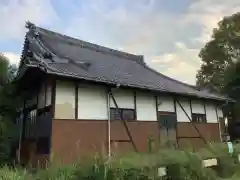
(168, 125)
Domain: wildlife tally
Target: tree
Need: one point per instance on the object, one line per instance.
(7, 70)
(220, 69)
(4, 64)
(7, 107)
(7, 74)
(232, 86)
(219, 54)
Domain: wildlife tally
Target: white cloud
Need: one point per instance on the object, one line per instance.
(169, 41)
(13, 58)
(208, 13)
(182, 64)
(163, 37)
(14, 14)
(135, 30)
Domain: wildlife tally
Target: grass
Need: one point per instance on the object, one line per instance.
(181, 165)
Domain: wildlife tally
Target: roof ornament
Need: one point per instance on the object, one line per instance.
(140, 59)
(32, 28)
(30, 25)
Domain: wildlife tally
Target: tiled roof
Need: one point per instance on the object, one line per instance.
(67, 56)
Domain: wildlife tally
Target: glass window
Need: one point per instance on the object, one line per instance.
(199, 118)
(127, 114)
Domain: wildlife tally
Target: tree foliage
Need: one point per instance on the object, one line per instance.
(220, 69)
(4, 64)
(8, 104)
(221, 53)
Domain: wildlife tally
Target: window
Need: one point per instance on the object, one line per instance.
(127, 114)
(199, 118)
(167, 119)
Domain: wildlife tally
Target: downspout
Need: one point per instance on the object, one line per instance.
(109, 126)
(109, 121)
(122, 119)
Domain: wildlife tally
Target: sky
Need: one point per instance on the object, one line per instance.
(169, 33)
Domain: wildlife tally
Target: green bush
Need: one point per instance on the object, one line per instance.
(181, 165)
(54, 172)
(14, 174)
(227, 163)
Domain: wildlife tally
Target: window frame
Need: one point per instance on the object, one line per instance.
(121, 112)
(168, 114)
(198, 116)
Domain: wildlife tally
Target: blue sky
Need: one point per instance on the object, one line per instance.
(169, 33)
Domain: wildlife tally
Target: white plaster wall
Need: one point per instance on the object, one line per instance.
(146, 107)
(166, 104)
(181, 116)
(92, 102)
(65, 100)
(197, 106)
(124, 98)
(220, 112)
(211, 113)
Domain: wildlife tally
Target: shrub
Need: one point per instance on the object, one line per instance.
(181, 165)
(13, 174)
(56, 172)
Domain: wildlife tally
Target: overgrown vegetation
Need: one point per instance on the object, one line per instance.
(181, 165)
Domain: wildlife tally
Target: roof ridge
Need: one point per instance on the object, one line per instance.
(89, 45)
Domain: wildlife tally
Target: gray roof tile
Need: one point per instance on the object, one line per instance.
(73, 57)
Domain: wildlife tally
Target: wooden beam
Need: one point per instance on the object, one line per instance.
(76, 100)
(135, 104)
(124, 123)
(201, 136)
(53, 96)
(190, 104)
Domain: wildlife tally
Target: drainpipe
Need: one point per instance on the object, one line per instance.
(109, 121)
(109, 125)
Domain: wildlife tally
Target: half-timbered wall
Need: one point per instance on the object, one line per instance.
(146, 107)
(211, 113)
(65, 100)
(92, 103)
(181, 115)
(165, 104)
(198, 106)
(124, 99)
